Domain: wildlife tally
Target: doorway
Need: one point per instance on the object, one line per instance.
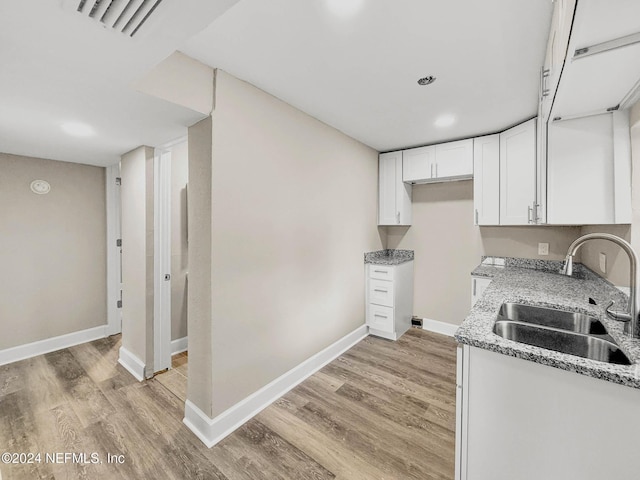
(170, 257)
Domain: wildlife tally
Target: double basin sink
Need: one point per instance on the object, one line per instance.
(566, 332)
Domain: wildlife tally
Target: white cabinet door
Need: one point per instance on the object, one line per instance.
(454, 159)
(518, 174)
(486, 180)
(528, 421)
(418, 164)
(581, 171)
(394, 196)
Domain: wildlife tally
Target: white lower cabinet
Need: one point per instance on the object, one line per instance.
(389, 299)
(517, 419)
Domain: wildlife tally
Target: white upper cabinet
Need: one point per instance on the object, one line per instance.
(518, 175)
(486, 180)
(601, 70)
(590, 70)
(437, 163)
(394, 196)
(417, 163)
(589, 178)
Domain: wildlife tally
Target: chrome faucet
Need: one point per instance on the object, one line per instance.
(630, 319)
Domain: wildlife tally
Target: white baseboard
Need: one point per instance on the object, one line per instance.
(21, 352)
(437, 326)
(131, 363)
(179, 345)
(211, 431)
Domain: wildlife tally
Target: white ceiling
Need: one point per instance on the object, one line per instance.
(58, 66)
(357, 74)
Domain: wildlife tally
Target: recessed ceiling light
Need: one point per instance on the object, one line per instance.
(428, 80)
(445, 121)
(344, 8)
(78, 129)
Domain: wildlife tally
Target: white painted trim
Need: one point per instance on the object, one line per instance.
(179, 345)
(132, 364)
(162, 261)
(28, 350)
(437, 326)
(211, 431)
(114, 314)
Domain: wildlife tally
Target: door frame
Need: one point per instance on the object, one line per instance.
(162, 259)
(114, 250)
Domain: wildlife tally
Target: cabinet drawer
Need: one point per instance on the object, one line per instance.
(381, 292)
(381, 272)
(380, 318)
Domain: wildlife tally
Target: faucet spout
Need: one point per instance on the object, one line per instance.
(631, 326)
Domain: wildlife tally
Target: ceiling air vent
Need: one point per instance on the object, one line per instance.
(126, 16)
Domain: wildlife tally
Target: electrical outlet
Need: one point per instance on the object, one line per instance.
(603, 263)
(543, 249)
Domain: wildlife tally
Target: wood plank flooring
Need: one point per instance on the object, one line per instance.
(383, 410)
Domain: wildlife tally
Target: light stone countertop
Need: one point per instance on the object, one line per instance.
(388, 257)
(536, 283)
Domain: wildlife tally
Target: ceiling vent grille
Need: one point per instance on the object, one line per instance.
(125, 16)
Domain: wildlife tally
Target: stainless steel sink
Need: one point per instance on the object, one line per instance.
(550, 317)
(566, 332)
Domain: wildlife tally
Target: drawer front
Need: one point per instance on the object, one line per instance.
(381, 272)
(380, 318)
(381, 292)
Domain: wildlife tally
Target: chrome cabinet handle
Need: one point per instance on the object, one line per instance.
(476, 216)
(529, 212)
(398, 218)
(381, 316)
(380, 290)
(474, 287)
(431, 170)
(436, 170)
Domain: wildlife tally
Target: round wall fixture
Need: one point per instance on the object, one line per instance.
(40, 187)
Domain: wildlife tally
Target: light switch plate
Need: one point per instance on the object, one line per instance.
(603, 263)
(543, 249)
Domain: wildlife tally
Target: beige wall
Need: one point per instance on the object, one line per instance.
(52, 249)
(447, 247)
(136, 170)
(199, 389)
(293, 211)
(179, 248)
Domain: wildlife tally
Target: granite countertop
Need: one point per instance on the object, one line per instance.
(538, 283)
(388, 257)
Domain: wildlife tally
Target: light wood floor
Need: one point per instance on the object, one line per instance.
(383, 410)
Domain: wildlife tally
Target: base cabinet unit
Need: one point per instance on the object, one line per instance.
(389, 297)
(520, 419)
(478, 286)
(394, 196)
